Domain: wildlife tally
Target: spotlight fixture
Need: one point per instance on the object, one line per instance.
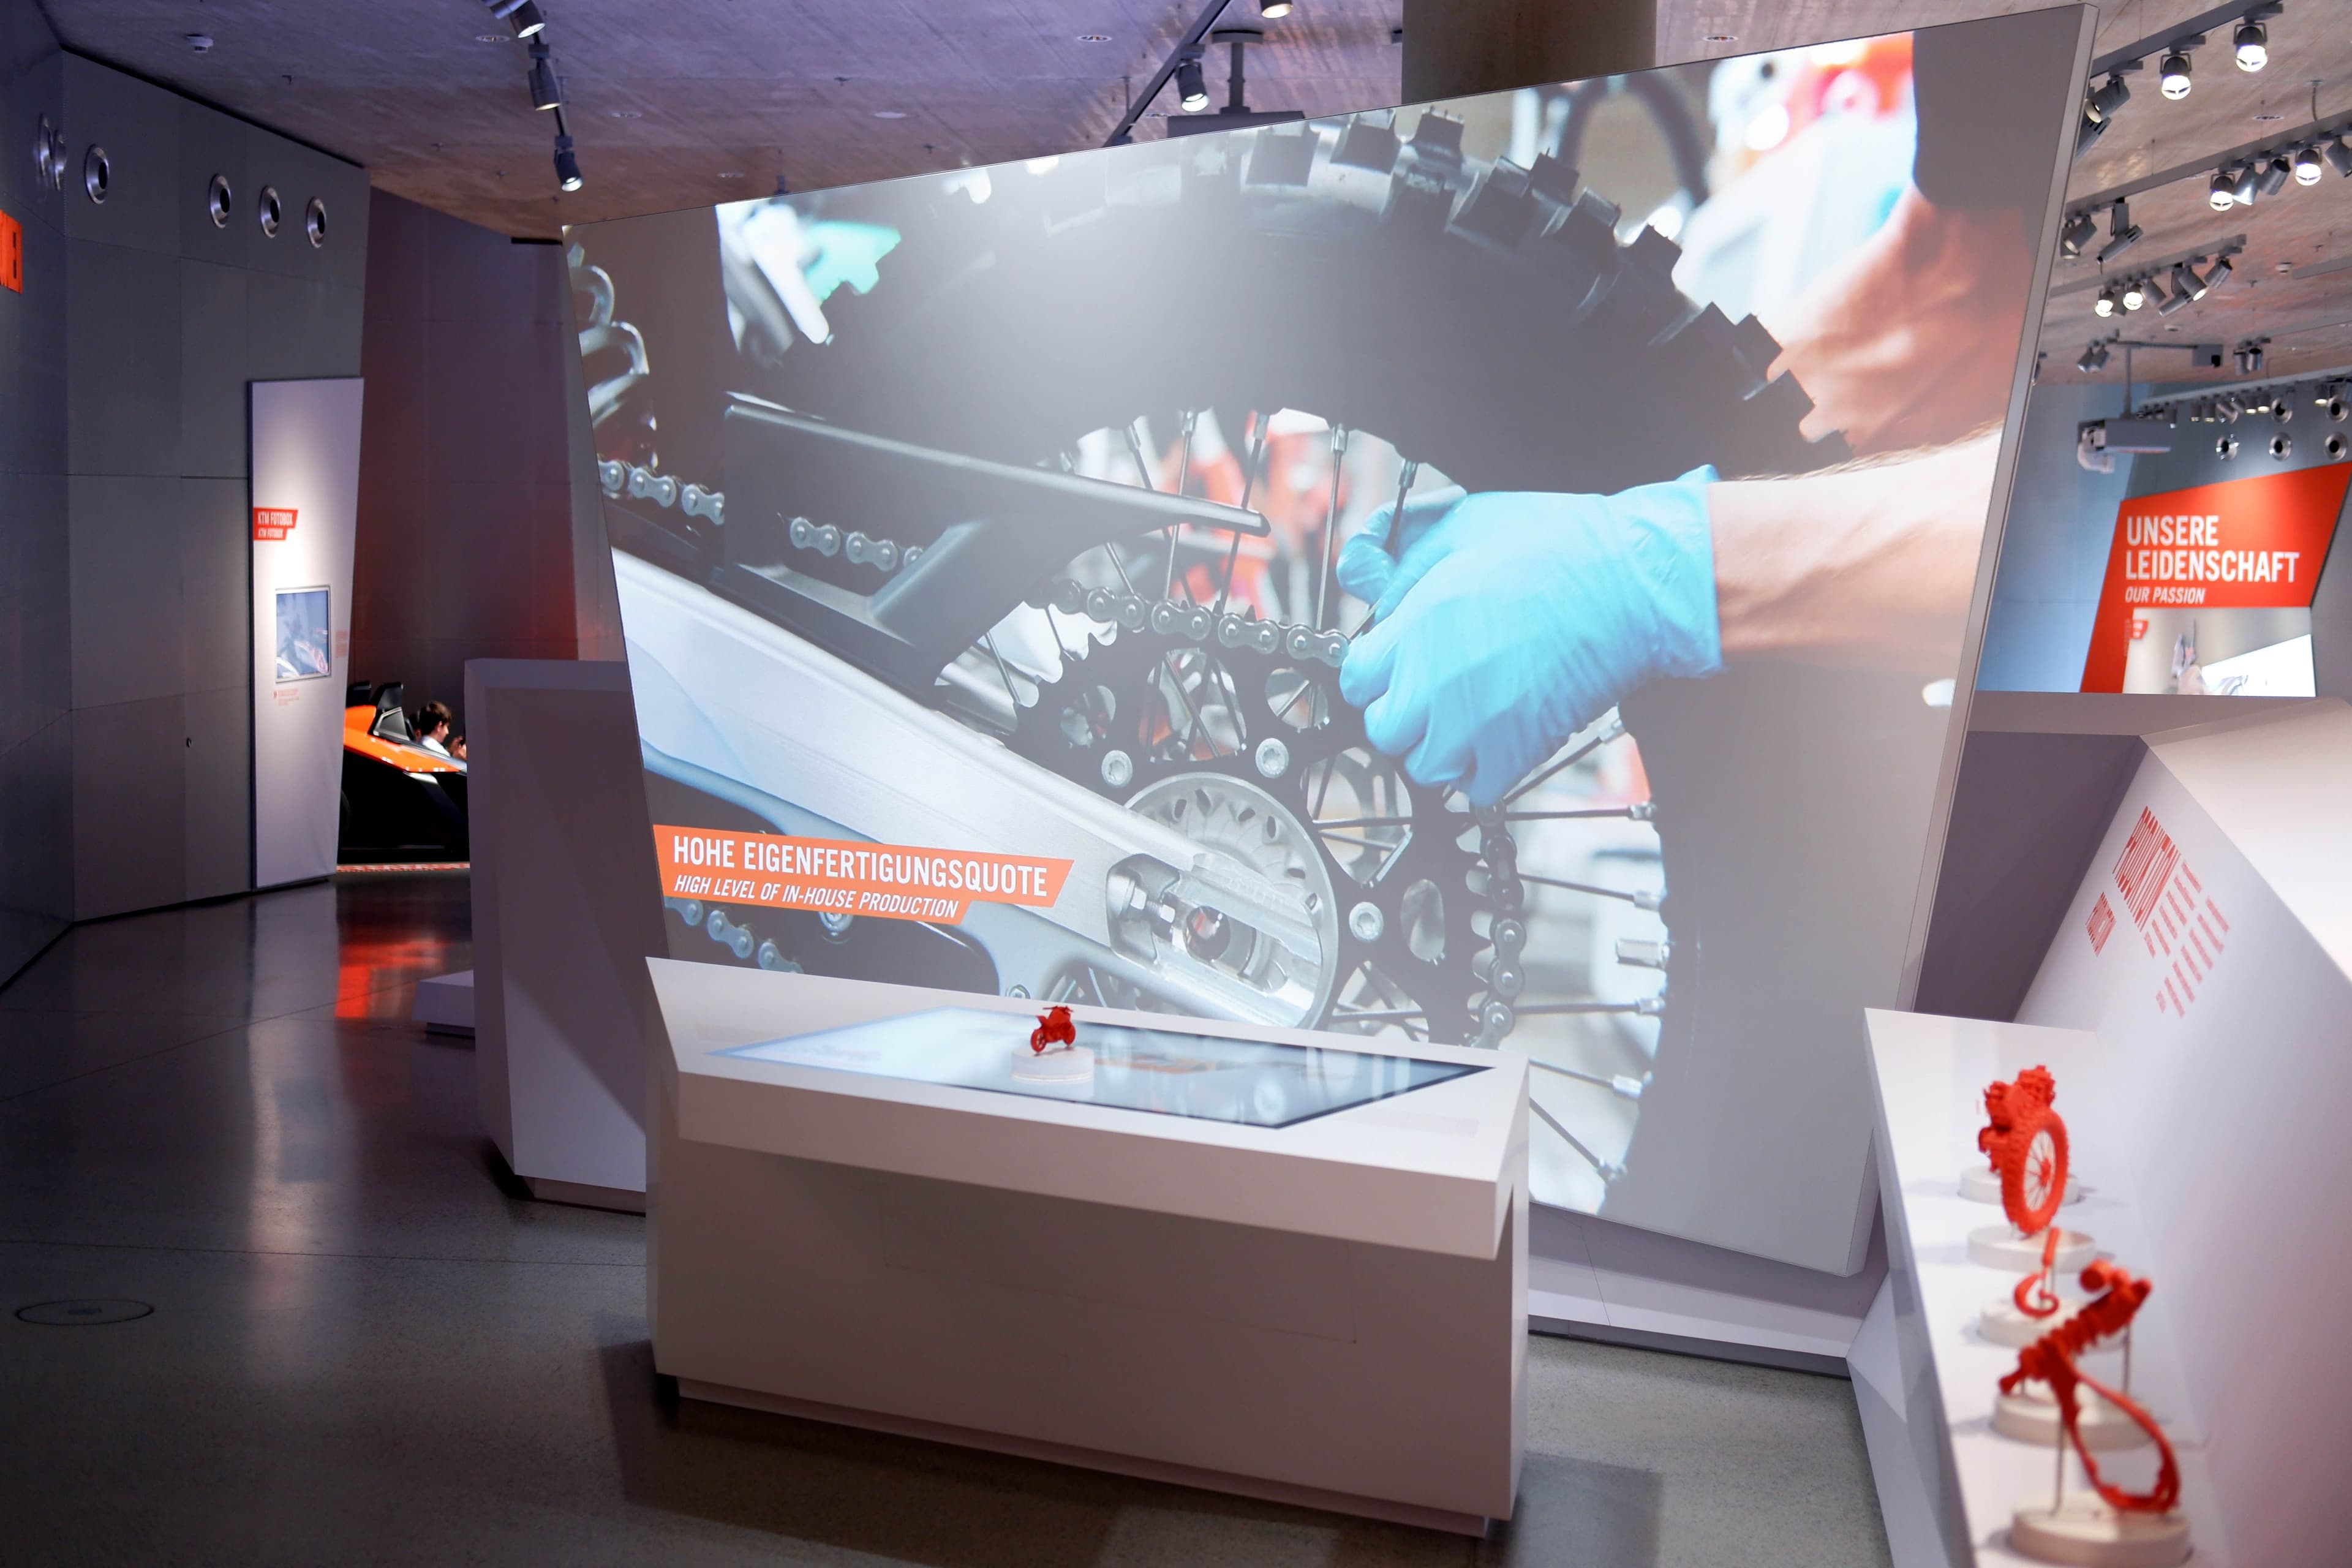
(523, 15)
(2179, 298)
(1274, 10)
(2338, 154)
(2242, 183)
(2122, 232)
(1192, 90)
(2135, 295)
(2079, 231)
(567, 164)
(2307, 167)
(2221, 193)
(2095, 357)
(546, 92)
(2186, 284)
(2273, 177)
(2217, 274)
(2253, 43)
(2087, 134)
(2172, 76)
(2109, 96)
(2104, 305)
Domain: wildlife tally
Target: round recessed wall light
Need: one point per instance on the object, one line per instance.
(890, 114)
(269, 212)
(96, 174)
(220, 201)
(314, 222)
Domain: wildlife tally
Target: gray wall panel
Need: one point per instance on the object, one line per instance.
(129, 839)
(297, 328)
(128, 624)
(35, 600)
(35, 867)
(213, 370)
(122, 380)
(216, 579)
(138, 123)
(211, 143)
(217, 791)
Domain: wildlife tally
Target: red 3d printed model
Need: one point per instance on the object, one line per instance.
(2033, 1295)
(2050, 1360)
(2027, 1141)
(1053, 1028)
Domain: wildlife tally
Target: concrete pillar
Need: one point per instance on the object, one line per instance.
(1453, 49)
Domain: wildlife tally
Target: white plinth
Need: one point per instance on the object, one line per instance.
(2031, 1416)
(2002, 1324)
(2000, 1247)
(2087, 1531)
(1332, 1313)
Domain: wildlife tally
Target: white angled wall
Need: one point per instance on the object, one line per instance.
(305, 459)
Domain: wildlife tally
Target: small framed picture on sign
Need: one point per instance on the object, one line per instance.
(304, 634)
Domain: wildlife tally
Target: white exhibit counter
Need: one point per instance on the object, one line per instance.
(1330, 1311)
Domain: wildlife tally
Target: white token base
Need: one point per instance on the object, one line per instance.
(2031, 1416)
(2000, 1247)
(1980, 1185)
(1055, 1066)
(2088, 1531)
(2001, 1323)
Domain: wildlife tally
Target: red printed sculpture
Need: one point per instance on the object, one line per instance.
(2050, 1360)
(1053, 1028)
(2033, 1296)
(2027, 1141)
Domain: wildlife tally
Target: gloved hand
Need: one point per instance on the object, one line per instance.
(1514, 619)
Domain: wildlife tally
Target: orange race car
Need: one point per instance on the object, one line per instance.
(401, 800)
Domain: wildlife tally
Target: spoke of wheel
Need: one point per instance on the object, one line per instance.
(1615, 729)
(1249, 486)
(1183, 478)
(1135, 453)
(1579, 1076)
(1535, 1009)
(988, 641)
(1594, 889)
(1369, 822)
(1359, 843)
(1331, 520)
(1601, 1169)
(1305, 686)
(1581, 815)
(1384, 1016)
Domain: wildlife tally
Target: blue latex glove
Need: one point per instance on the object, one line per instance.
(1512, 620)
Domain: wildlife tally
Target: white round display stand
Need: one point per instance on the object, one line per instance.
(2086, 1531)
(2001, 1323)
(1057, 1067)
(1980, 1184)
(2000, 1247)
(2031, 1416)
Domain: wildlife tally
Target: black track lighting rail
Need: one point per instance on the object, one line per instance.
(2270, 146)
(1189, 47)
(2185, 34)
(2156, 267)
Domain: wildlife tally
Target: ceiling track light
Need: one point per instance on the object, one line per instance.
(2273, 176)
(2180, 298)
(2106, 304)
(2172, 78)
(1274, 10)
(2122, 232)
(2080, 229)
(2338, 154)
(2186, 284)
(567, 164)
(1191, 88)
(2088, 131)
(546, 91)
(523, 15)
(2109, 96)
(2217, 275)
(2221, 193)
(2251, 42)
(2135, 295)
(2308, 166)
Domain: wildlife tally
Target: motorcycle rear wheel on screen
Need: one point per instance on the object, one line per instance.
(1482, 319)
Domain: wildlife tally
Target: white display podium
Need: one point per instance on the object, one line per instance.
(1330, 1312)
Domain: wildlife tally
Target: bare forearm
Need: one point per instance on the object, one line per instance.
(1871, 565)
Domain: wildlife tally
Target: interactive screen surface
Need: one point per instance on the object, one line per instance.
(303, 633)
(1490, 572)
(1169, 1073)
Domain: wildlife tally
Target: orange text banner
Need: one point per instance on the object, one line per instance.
(892, 882)
(2252, 543)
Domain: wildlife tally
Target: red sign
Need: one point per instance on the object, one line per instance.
(2251, 543)
(272, 521)
(12, 254)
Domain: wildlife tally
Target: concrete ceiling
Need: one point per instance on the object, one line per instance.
(692, 101)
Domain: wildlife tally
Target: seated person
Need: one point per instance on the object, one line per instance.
(433, 728)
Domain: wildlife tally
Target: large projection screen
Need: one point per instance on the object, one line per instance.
(1006, 562)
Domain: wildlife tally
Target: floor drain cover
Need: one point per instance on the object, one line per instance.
(83, 1314)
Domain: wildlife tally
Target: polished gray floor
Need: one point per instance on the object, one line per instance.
(364, 1348)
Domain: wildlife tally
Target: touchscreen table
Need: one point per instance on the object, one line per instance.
(1165, 1071)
